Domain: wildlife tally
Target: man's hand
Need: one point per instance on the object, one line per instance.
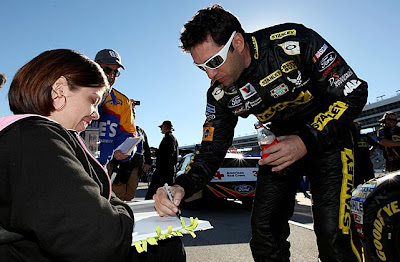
(120, 156)
(288, 150)
(163, 205)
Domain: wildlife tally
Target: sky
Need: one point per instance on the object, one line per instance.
(146, 35)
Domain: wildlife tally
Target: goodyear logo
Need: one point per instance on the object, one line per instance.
(347, 157)
(282, 34)
(303, 98)
(288, 66)
(386, 211)
(270, 78)
(334, 112)
(255, 47)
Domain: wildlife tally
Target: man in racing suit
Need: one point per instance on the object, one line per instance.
(290, 76)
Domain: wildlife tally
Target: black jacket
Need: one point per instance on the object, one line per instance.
(58, 197)
(297, 81)
(167, 152)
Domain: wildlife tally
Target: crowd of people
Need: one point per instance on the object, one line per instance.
(77, 208)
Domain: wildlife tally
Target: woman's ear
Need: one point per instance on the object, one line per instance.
(59, 87)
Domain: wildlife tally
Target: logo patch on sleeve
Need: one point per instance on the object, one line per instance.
(208, 133)
(210, 108)
(319, 53)
(218, 93)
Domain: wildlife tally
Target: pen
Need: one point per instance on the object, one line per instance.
(171, 198)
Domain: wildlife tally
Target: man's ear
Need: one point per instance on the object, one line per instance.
(238, 42)
(60, 86)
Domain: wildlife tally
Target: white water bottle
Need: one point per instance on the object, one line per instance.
(265, 137)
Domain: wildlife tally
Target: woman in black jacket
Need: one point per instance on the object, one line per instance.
(55, 199)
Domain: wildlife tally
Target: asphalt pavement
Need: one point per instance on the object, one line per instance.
(228, 241)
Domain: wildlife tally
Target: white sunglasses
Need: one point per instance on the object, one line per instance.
(219, 58)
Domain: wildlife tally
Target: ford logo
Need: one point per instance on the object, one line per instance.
(243, 189)
(326, 61)
(234, 102)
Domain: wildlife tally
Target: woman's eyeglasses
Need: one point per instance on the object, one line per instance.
(111, 72)
(219, 58)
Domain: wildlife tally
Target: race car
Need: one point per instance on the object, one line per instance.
(376, 211)
(235, 179)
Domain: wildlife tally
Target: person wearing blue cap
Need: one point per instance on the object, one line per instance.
(116, 122)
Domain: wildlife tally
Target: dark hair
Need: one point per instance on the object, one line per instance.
(30, 90)
(214, 21)
(3, 79)
(388, 113)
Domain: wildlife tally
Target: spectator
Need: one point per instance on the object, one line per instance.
(364, 170)
(166, 159)
(3, 79)
(389, 139)
(128, 173)
(116, 121)
(290, 76)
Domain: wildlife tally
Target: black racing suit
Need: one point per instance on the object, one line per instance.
(299, 83)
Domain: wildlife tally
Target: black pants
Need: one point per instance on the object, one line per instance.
(331, 180)
(168, 250)
(158, 179)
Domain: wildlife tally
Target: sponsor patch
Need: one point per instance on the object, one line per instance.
(209, 117)
(288, 66)
(347, 187)
(291, 47)
(240, 110)
(302, 98)
(298, 81)
(247, 91)
(279, 90)
(335, 111)
(331, 67)
(270, 78)
(255, 47)
(319, 53)
(235, 102)
(218, 93)
(337, 80)
(208, 133)
(250, 104)
(327, 61)
(282, 34)
(350, 86)
(210, 108)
